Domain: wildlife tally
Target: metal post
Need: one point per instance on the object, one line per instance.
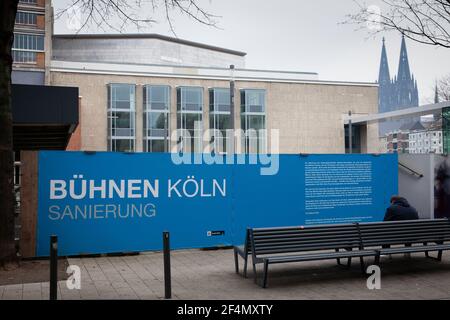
(350, 132)
(167, 276)
(232, 88)
(53, 267)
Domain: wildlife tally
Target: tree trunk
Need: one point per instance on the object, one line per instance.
(8, 9)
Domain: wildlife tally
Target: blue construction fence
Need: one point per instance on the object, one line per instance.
(105, 202)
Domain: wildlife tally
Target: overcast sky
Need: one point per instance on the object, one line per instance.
(299, 35)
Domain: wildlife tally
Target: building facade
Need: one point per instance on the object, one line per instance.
(136, 90)
(416, 138)
(44, 117)
(32, 42)
(427, 138)
(426, 142)
(137, 107)
(397, 141)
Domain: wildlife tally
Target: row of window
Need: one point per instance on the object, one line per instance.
(25, 47)
(28, 1)
(421, 135)
(30, 42)
(28, 18)
(24, 56)
(189, 100)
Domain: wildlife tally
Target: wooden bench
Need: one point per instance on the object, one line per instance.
(400, 237)
(297, 244)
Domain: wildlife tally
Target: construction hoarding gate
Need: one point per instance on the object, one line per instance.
(106, 202)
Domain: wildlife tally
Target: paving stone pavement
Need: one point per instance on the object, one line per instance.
(209, 274)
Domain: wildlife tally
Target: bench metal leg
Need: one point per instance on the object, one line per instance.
(349, 260)
(236, 262)
(438, 258)
(266, 268)
(377, 259)
(349, 263)
(363, 265)
(338, 259)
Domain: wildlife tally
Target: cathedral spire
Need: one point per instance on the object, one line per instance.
(384, 76)
(404, 73)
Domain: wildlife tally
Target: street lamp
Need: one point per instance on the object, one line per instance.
(232, 108)
(350, 132)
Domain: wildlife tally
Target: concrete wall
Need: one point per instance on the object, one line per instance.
(418, 191)
(309, 116)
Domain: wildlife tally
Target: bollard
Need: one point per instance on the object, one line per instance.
(167, 277)
(53, 267)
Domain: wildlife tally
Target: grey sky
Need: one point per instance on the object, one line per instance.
(299, 35)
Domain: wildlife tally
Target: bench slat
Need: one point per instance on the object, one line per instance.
(322, 256)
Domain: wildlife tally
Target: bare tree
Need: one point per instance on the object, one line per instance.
(423, 21)
(8, 9)
(103, 14)
(443, 88)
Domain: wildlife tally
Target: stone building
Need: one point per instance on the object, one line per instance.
(137, 89)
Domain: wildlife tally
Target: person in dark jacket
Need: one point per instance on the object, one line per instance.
(400, 209)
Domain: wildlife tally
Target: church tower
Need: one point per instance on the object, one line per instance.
(406, 85)
(384, 82)
(398, 93)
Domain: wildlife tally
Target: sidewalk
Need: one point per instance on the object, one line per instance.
(198, 274)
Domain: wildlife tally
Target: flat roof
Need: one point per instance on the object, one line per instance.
(148, 36)
(173, 71)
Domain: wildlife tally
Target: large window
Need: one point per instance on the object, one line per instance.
(190, 118)
(219, 118)
(253, 120)
(24, 56)
(26, 46)
(121, 117)
(28, 18)
(156, 118)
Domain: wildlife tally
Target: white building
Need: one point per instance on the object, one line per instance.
(426, 140)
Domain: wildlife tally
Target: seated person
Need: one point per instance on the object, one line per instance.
(400, 209)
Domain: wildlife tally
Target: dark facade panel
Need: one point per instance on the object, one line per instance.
(44, 117)
(44, 105)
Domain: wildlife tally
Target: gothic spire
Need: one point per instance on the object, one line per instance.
(404, 73)
(384, 76)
